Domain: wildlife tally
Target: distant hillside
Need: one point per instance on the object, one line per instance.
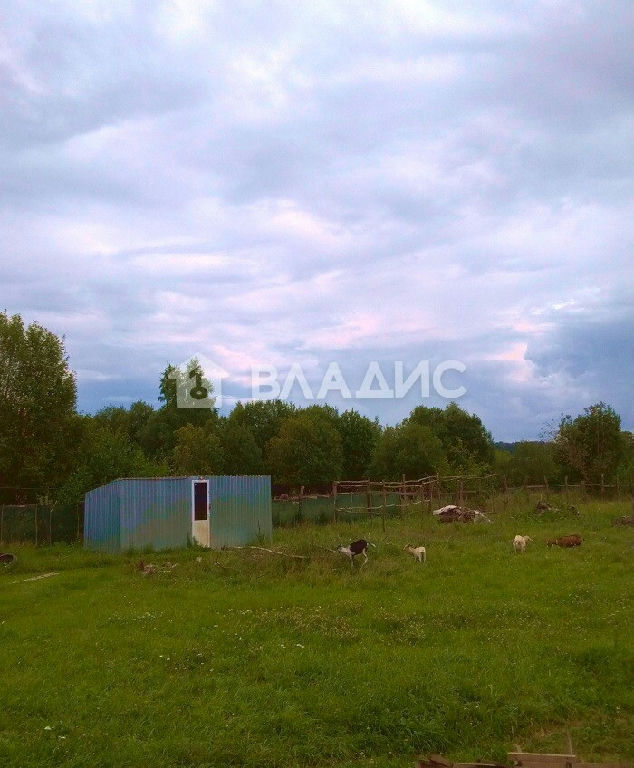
(509, 447)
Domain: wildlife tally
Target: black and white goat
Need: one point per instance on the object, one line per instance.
(359, 547)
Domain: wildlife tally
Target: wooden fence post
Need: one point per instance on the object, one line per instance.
(546, 487)
(506, 492)
(566, 488)
(50, 526)
(2, 523)
(583, 490)
(402, 505)
(299, 507)
(602, 486)
(35, 522)
(334, 501)
(368, 498)
(384, 506)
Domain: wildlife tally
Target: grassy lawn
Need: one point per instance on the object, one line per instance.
(253, 659)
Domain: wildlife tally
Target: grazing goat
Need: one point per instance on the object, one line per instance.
(420, 553)
(573, 540)
(355, 548)
(520, 542)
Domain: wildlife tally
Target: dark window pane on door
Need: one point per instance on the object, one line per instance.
(200, 501)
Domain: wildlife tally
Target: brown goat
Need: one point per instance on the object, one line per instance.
(573, 540)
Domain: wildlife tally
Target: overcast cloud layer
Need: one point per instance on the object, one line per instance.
(278, 183)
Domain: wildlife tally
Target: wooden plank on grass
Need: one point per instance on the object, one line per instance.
(599, 765)
(477, 765)
(537, 760)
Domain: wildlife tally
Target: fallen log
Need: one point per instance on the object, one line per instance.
(518, 760)
(284, 554)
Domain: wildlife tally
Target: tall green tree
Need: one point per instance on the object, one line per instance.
(103, 455)
(591, 445)
(37, 405)
(625, 470)
(359, 436)
(115, 418)
(502, 462)
(130, 421)
(532, 461)
(241, 453)
(466, 442)
(198, 451)
(384, 461)
(264, 419)
(307, 451)
(139, 415)
(408, 449)
(156, 431)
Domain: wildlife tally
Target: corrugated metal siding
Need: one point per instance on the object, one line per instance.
(134, 513)
(240, 509)
(155, 512)
(102, 527)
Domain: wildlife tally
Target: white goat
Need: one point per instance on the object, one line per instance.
(420, 553)
(520, 542)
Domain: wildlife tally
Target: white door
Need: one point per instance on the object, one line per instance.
(200, 513)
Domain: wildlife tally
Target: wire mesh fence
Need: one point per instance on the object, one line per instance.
(40, 524)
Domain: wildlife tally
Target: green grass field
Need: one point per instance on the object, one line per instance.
(254, 659)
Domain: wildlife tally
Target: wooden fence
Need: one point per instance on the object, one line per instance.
(41, 522)
(491, 493)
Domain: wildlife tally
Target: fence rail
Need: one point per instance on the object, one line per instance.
(371, 498)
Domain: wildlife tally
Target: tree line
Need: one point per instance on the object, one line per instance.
(45, 443)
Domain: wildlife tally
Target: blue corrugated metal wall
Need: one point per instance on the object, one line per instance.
(155, 512)
(134, 513)
(102, 526)
(240, 509)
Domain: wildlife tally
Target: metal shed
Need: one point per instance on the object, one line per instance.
(170, 512)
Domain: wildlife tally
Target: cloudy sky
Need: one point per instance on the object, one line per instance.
(282, 183)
